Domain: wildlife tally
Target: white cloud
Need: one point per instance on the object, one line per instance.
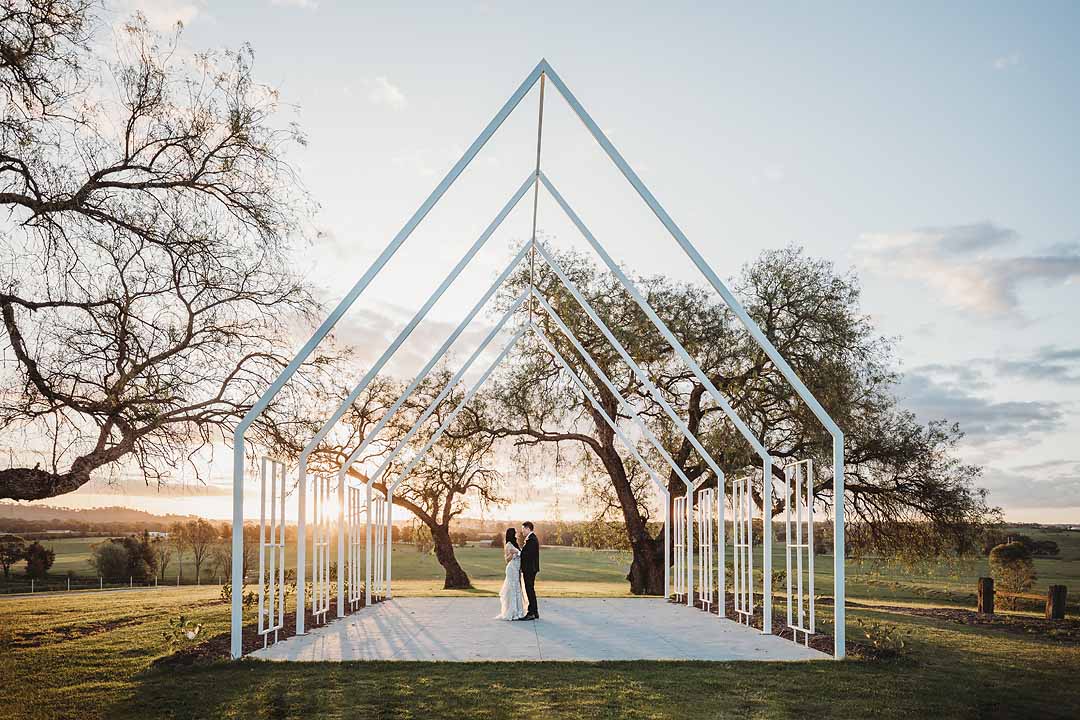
(383, 92)
(303, 4)
(953, 393)
(1007, 61)
(162, 15)
(961, 263)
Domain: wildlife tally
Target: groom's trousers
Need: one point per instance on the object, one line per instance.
(530, 592)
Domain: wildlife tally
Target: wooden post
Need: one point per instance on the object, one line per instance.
(1055, 602)
(986, 595)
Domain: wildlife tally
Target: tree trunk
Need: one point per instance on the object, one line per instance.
(456, 578)
(646, 574)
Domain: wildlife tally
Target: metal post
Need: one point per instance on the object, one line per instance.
(341, 548)
(839, 616)
(766, 548)
(389, 541)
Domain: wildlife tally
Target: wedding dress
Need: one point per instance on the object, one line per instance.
(511, 597)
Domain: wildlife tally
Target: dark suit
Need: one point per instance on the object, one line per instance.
(530, 568)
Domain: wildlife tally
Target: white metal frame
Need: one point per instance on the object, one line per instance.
(705, 533)
(320, 554)
(543, 69)
(799, 618)
(682, 550)
(356, 509)
(271, 550)
(743, 547)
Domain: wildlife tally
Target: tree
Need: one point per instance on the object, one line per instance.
(12, 550)
(38, 560)
(146, 277)
(127, 558)
(163, 550)
(110, 559)
(179, 543)
(905, 488)
(198, 536)
(1013, 570)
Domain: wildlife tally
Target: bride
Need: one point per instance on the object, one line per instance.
(511, 598)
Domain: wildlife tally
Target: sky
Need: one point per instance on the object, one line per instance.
(930, 149)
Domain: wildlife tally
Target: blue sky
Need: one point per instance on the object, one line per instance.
(932, 149)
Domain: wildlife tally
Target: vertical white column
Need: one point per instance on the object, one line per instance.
(690, 547)
(237, 614)
(341, 548)
(368, 575)
(839, 615)
(389, 542)
(766, 548)
(301, 545)
(667, 547)
(721, 563)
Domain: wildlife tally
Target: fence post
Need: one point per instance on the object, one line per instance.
(100, 583)
(31, 586)
(69, 583)
(131, 581)
(986, 595)
(1055, 602)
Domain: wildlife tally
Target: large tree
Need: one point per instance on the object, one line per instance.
(457, 470)
(903, 479)
(145, 281)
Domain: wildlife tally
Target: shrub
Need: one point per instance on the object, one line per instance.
(38, 560)
(181, 632)
(110, 559)
(12, 550)
(1013, 570)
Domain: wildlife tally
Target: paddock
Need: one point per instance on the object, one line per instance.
(457, 629)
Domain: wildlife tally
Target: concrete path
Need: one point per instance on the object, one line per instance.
(464, 630)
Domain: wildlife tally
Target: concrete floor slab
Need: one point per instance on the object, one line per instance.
(464, 630)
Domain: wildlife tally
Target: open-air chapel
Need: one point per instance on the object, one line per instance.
(724, 598)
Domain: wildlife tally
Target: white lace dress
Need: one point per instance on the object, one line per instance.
(512, 597)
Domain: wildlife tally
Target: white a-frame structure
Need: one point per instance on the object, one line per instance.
(378, 574)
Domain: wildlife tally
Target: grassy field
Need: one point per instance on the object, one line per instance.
(573, 571)
(92, 655)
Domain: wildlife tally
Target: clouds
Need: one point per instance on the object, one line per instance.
(1047, 364)
(964, 263)
(950, 392)
(302, 4)
(1007, 61)
(162, 15)
(1051, 484)
(384, 93)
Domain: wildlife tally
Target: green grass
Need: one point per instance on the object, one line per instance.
(90, 656)
(578, 571)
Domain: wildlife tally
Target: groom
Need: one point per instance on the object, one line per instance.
(530, 568)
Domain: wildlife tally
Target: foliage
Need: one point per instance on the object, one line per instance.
(122, 559)
(182, 631)
(1013, 570)
(905, 486)
(887, 638)
(12, 550)
(38, 560)
(145, 274)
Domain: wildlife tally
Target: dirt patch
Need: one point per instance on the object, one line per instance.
(1063, 631)
(217, 647)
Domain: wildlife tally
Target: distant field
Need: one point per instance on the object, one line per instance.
(571, 571)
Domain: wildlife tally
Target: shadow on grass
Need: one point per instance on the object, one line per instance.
(948, 672)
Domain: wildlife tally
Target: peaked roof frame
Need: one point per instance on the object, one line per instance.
(543, 69)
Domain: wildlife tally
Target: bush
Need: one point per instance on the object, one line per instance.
(38, 560)
(1013, 570)
(110, 559)
(497, 540)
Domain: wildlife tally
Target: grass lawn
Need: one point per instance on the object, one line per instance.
(91, 655)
